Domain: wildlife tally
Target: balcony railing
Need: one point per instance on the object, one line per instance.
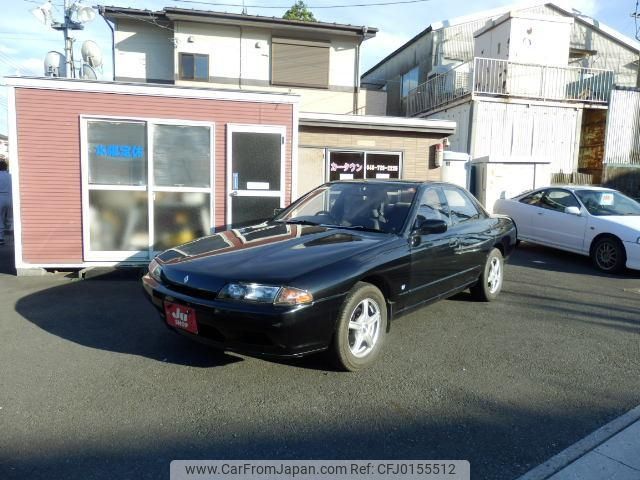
(490, 76)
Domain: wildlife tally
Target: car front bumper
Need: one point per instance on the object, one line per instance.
(633, 255)
(258, 329)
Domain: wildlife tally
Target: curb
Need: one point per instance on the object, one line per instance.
(581, 447)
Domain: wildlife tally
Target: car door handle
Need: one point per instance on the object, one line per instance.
(540, 213)
(454, 242)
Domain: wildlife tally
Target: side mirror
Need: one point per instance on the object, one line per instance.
(277, 211)
(429, 226)
(572, 211)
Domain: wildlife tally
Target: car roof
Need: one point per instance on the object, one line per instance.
(581, 187)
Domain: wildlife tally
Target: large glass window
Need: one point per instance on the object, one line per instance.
(117, 153)
(118, 220)
(144, 197)
(181, 156)
(180, 217)
(350, 165)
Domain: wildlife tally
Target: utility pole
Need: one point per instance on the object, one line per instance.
(64, 27)
(636, 16)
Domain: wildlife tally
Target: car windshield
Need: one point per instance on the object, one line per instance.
(608, 202)
(381, 207)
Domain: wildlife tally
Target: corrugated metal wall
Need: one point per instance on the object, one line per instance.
(515, 132)
(622, 144)
(609, 55)
(459, 142)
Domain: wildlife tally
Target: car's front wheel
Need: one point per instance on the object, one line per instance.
(361, 328)
(608, 255)
(490, 282)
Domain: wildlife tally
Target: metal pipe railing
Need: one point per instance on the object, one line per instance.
(491, 76)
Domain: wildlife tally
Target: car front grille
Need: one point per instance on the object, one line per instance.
(190, 291)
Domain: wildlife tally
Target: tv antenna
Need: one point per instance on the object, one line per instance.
(76, 14)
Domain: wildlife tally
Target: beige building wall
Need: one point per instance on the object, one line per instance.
(418, 151)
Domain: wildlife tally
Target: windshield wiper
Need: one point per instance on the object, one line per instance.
(298, 222)
(354, 227)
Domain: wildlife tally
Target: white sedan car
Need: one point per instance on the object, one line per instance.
(594, 221)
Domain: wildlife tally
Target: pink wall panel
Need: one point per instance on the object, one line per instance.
(48, 126)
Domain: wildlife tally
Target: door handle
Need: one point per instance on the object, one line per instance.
(454, 242)
(540, 213)
(233, 194)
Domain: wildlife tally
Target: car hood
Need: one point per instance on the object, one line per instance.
(629, 221)
(627, 227)
(273, 253)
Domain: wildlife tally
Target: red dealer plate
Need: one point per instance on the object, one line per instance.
(181, 317)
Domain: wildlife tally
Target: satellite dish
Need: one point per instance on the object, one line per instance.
(88, 73)
(84, 14)
(55, 65)
(91, 54)
(43, 13)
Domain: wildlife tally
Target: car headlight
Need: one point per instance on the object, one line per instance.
(254, 292)
(155, 270)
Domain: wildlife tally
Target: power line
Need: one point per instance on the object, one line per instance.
(367, 4)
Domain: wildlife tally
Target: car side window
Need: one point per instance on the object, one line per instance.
(533, 198)
(461, 207)
(557, 199)
(432, 205)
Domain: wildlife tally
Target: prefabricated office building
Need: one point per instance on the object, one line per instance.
(109, 173)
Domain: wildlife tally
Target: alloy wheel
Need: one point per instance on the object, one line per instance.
(606, 256)
(364, 327)
(494, 279)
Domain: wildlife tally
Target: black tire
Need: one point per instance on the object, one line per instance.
(344, 350)
(486, 290)
(608, 255)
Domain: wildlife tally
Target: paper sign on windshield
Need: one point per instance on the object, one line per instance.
(606, 199)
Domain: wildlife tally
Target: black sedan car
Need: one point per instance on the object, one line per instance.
(332, 270)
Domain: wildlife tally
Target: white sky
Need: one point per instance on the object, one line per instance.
(24, 42)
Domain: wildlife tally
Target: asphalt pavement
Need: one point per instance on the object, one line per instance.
(92, 386)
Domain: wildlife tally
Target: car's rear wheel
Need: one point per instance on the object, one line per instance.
(361, 328)
(608, 255)
(490, 282)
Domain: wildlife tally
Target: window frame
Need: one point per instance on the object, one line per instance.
(443, 201)
(413, 69)
(481, 212)
(547, 191)
(149, 187)
(530, 194)
(181, 74)
(330, 151)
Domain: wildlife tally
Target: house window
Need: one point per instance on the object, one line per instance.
(356, 165)
(409, 81)
(299, 63)
(194, 66)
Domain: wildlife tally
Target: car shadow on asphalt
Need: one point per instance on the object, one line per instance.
(110, 312)
(551, 259)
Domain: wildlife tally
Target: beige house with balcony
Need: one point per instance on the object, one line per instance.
(341, 131)
(528, 86)
(318, 61)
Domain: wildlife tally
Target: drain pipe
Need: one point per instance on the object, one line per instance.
(356, 72)
(113, 39)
